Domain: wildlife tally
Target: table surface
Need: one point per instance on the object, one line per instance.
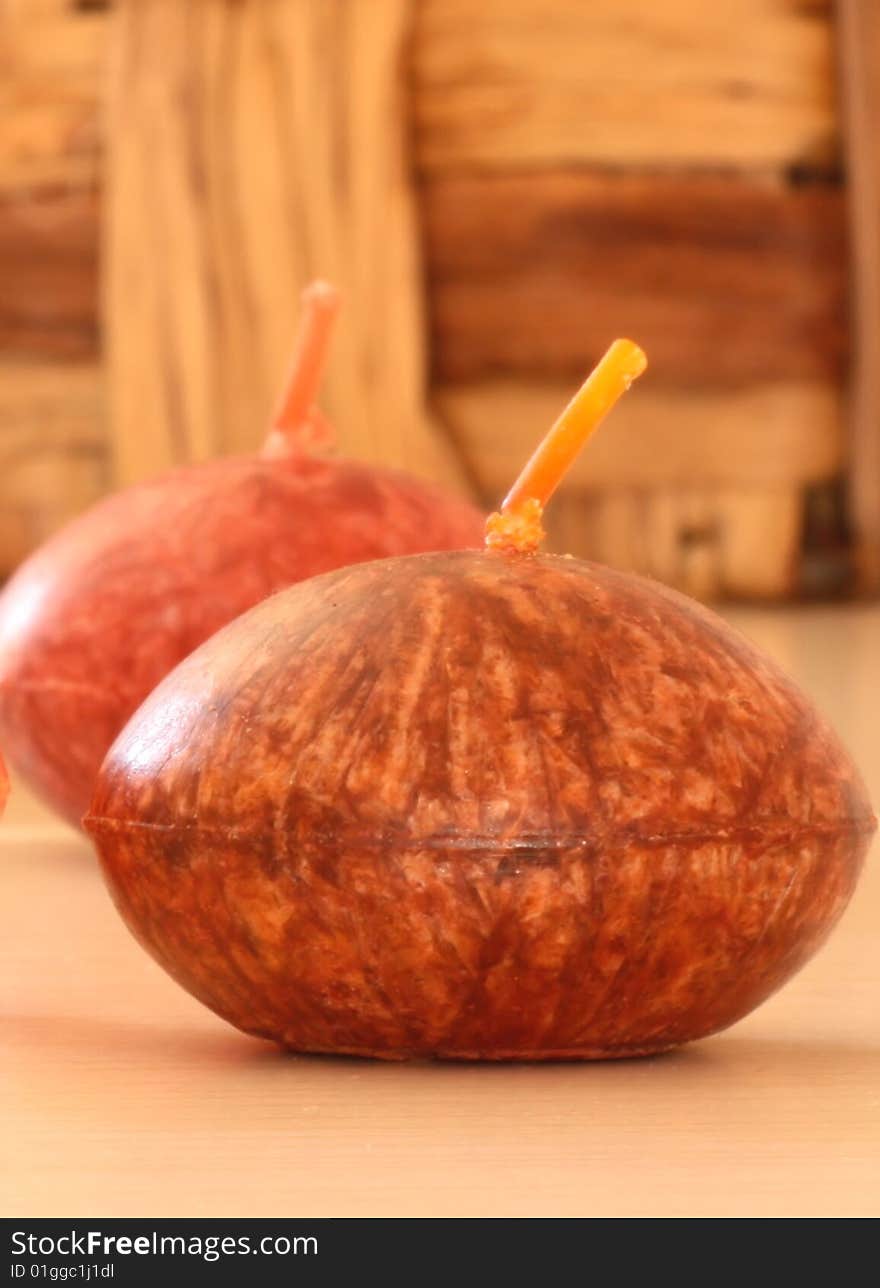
(124, 1097)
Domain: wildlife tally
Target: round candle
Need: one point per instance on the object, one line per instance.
(93, 620)
(483, 805)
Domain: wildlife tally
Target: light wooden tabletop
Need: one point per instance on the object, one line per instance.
(124, 1097)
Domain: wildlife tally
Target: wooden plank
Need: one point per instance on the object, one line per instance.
(254, 146)
(711, 543)
(771, 435)
(49, 272)
(860, 76)
(702, 489)
(52, 450)
(759, 541)
(49, 405)
(51, 57)
(722, 279)
(522, 83)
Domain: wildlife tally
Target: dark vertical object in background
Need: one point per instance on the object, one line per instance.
(859, 45)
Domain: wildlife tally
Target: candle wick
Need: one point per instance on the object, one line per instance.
(517, 530)
(517, 526)
(297, 424)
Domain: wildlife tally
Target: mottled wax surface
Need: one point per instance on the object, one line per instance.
(103, 611)
(477, 805)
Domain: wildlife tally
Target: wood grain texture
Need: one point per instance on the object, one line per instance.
(513, 83)
(498, 85)
(485, 807)
(488, 90)
(125, 1097)
(700, 488)
(859, 56)
(51, 421)
(49, 273)
(722, 279)
(772, 434)
(253, 147)
(713, 543)
(52, 450)
(51, 55)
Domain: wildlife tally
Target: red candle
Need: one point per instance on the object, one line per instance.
(482, 805)
(93, 621)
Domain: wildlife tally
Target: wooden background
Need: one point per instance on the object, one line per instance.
(500, 189)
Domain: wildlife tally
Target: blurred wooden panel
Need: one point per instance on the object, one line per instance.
(51, 406)
(859, 45)
(702, 489)
(722, 279)
(769, 435)
(52, 450)
(52, 442)
(586, 169)
(712, 543)
(51, 54)
(49, 272)
(759, 537)
(252, 147)
(513, 83)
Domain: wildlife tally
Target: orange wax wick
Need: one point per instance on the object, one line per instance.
(296, 418)
(518, 525)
